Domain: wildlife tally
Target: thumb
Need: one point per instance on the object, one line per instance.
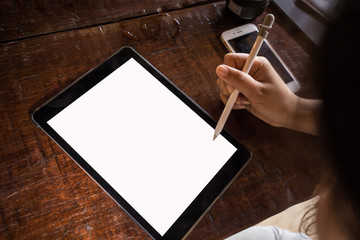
(237, 79)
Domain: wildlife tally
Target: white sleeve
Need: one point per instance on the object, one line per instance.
(267, 233)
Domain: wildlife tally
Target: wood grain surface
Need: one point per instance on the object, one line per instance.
(21, 19)
(45, 195)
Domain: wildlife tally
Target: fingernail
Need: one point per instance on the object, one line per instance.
(245, 102)
(223, 71)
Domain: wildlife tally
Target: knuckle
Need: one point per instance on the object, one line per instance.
(229, 89)
(228, 56)
(260, 90)
(241, 76)
(262, 61)
(261, 58)
(223, 98)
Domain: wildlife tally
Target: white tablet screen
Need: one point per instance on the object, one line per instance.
(145, 142)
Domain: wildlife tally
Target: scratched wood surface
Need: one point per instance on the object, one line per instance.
(45, 195)
(21, 19)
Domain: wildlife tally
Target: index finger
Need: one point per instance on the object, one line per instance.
(238, 60)
(235, 60)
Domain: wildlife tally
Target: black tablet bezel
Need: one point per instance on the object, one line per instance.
(206, 197)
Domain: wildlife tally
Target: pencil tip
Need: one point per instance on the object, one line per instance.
(215, 135)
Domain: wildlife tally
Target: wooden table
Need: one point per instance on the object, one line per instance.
(46, 45)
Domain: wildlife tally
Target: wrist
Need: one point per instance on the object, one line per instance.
(306, 116)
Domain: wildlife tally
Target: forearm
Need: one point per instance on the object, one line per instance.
(306, 116)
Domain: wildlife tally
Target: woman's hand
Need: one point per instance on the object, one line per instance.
(265, 95)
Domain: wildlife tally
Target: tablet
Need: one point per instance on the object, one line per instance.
(144, 142)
